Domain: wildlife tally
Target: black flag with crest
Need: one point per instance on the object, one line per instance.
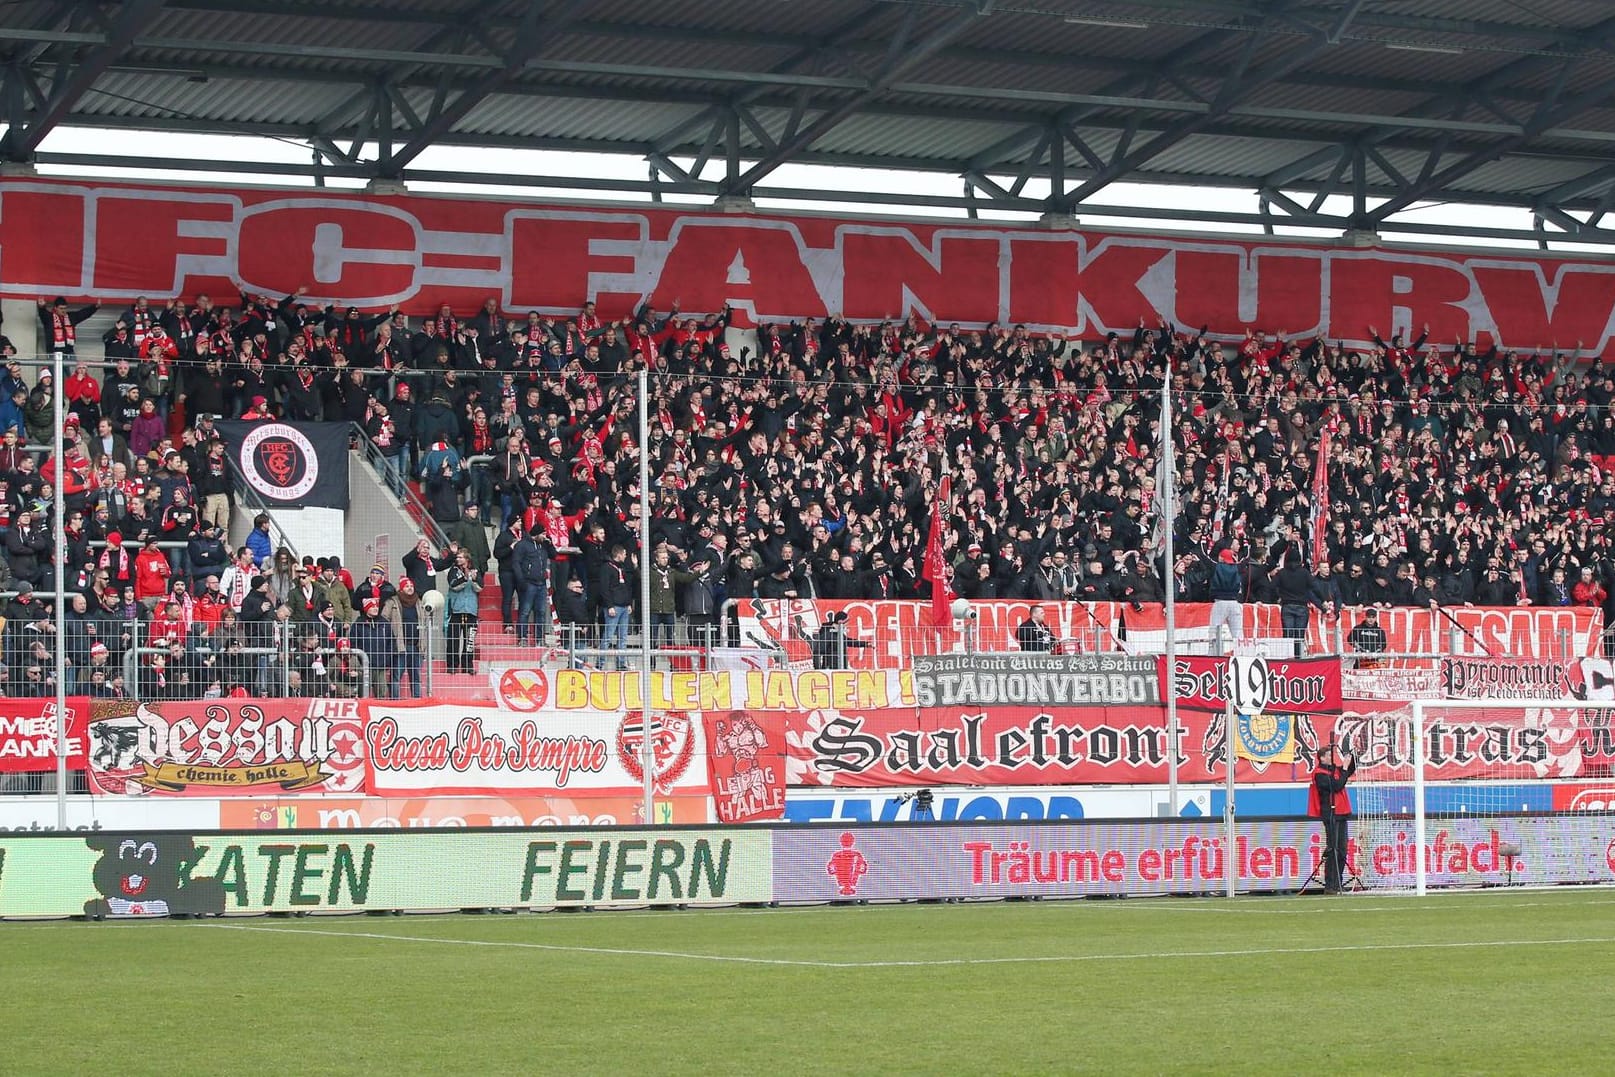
(293, 465)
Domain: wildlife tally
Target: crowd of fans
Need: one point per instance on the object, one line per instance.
(806, 466)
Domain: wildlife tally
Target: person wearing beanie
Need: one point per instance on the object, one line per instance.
(374, 635)
(375, 586)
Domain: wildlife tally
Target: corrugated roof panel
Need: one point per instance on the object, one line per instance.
(565, 118)
(1396, 57)
(901, 137)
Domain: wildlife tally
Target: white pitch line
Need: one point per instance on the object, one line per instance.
(1249, 904)
(1162, 955)
(523, 945)
(1347, 903)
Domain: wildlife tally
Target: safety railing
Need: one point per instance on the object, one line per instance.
(399, 483)
(276, 677)
(247, 500)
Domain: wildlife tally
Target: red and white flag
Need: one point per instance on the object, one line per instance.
(1320, 502)
(936, 564)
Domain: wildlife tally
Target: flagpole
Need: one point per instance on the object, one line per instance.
(647, 759)
(1169, 517)
(59, 579)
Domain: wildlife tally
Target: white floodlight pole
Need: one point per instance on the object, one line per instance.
(646, 755)
(59, 544)
(1421, 869)
(1168, 495)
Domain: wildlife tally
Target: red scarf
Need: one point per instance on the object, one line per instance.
(61, 330)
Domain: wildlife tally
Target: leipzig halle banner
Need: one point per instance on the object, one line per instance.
(298, 465)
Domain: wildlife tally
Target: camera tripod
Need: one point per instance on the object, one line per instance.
(1350, 881)
(924, 805)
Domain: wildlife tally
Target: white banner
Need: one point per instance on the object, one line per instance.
(448, 749)
(38, 813)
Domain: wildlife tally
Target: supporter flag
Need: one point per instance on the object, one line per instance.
(1320, 501)
(1165, 494)
(1219, 515)
(746, 765)
(291, 465)
(1265, 738)
(936, 563)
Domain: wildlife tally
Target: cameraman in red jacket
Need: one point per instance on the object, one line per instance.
(1327, 800)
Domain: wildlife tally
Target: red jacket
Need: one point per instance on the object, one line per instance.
(1330, 781)
(151, 574)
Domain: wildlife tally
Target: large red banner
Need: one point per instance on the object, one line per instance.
(1014, 746)
(1294, 686)
(746, 761)
(94, 239)
(225, 747)
(1475, 631)
(1513, 741)
(896, 629)
(1127, 745)
(28, 734)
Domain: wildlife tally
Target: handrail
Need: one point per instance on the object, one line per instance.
(413, 505)
(131, 665)
(248, 498)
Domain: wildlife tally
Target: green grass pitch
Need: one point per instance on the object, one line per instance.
(1500, 982)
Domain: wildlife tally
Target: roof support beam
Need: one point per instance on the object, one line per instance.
(424, 59)
(20, 144)
(903, 61)
(528, 42)
(1237, 86)
(1439, 180)
(787, 71)
(1457, 98)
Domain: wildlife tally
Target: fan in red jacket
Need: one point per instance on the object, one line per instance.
(151, 574)
(1328, 801)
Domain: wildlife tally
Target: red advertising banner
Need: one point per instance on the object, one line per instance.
(1478, 631)
(746, 762)
(94, 239)
(896, 629)
(225, 747)
(28, 734)
(1576, 796)
(433, 748)
(1294, 686)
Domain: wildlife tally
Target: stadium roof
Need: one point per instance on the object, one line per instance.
(1037, 105)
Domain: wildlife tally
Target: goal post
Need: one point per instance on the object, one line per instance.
(1477, 793)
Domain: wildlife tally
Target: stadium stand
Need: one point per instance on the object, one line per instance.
(802, 467)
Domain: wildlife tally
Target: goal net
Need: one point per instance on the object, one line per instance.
(1471, 793)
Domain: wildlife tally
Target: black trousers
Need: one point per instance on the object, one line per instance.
(1293, 619)
(508, 595)
(1334, 850)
